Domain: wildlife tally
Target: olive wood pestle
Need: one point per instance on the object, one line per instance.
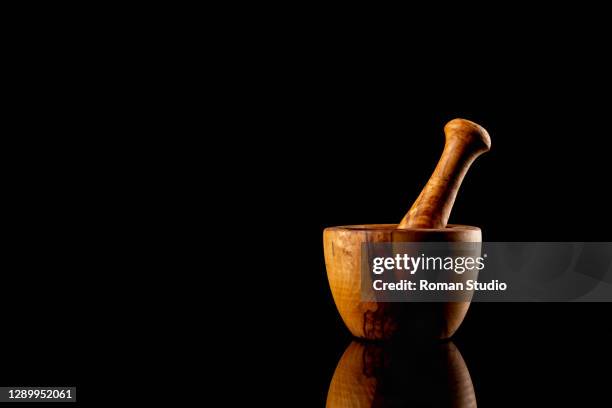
(465, 141)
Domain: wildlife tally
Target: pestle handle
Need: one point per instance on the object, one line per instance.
(465, 141)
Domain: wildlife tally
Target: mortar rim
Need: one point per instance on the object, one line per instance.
(392, 227)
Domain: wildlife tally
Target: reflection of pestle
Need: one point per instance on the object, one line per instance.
(465, 141)
(373, 375)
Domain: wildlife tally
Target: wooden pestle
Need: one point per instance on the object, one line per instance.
(465, 141)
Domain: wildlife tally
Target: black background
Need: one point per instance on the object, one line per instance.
(358, 142)
(324, 129)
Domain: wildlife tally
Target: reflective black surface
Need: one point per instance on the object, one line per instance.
(530, 355)
(376, 375)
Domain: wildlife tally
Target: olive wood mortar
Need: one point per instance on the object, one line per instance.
(426, 221)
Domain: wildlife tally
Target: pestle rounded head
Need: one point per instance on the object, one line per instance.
(470, 133)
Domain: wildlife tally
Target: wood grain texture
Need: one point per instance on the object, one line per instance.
(386, 320)
(375, 375)
(465, 141)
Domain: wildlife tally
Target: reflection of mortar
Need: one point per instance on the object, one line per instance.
(425, 222)
(370, 375)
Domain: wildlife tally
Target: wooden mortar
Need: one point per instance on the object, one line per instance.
(425, 222)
